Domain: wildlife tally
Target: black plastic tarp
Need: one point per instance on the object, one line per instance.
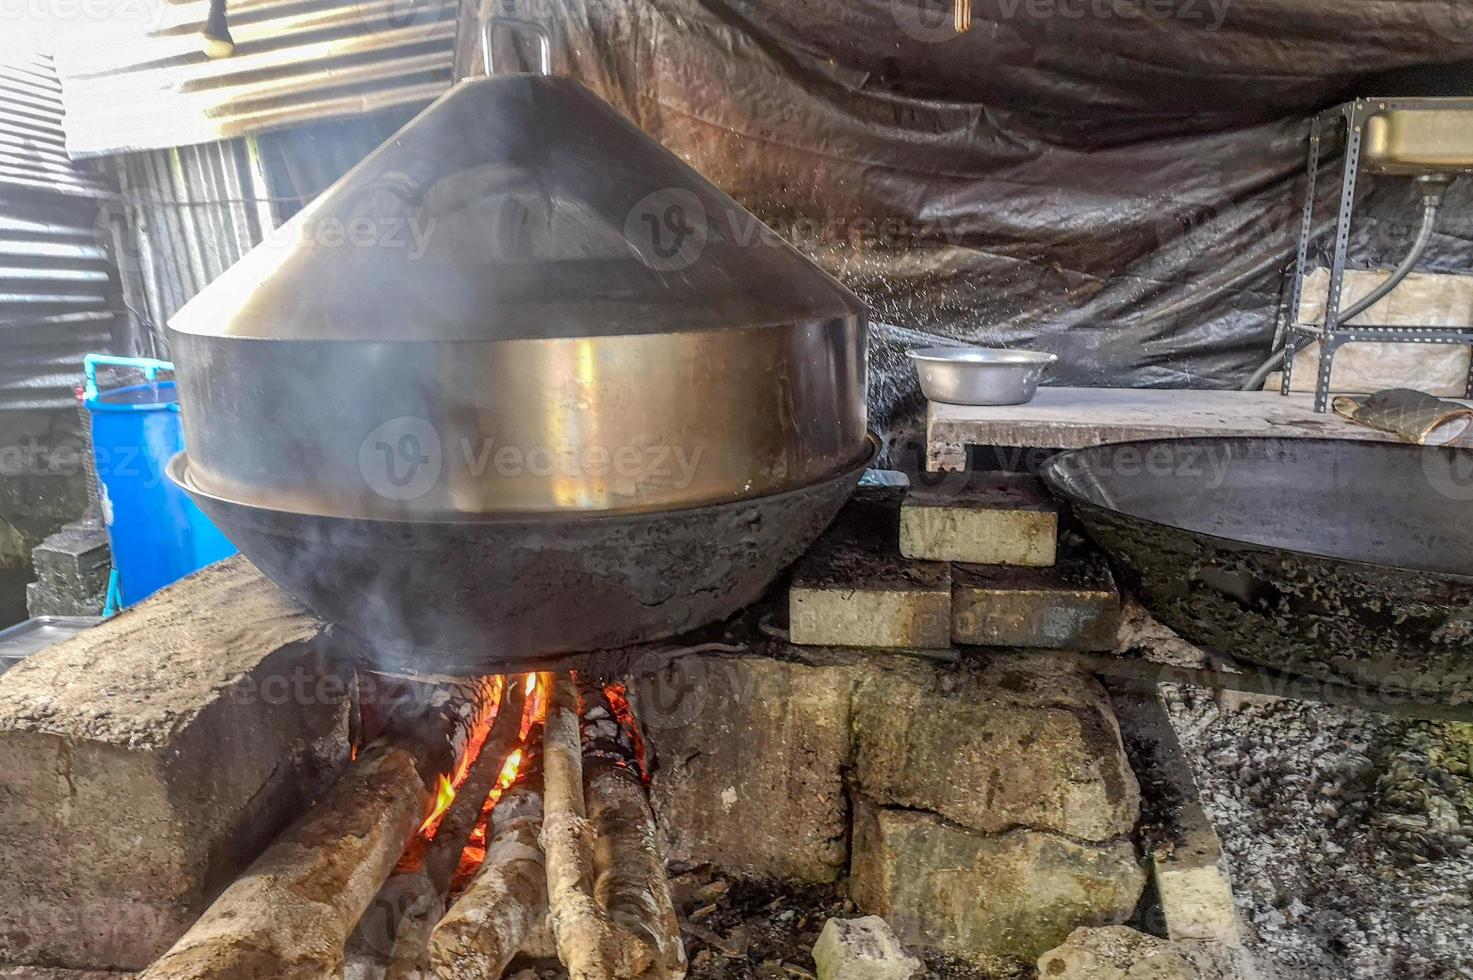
(1117, 181)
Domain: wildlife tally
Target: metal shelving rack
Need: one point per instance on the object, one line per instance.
(1325, 129)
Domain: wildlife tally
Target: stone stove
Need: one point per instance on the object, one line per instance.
(981, 803)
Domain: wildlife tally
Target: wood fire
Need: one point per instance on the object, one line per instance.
(532, 834)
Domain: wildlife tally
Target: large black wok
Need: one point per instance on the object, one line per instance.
(474, 595)
(1339, 560)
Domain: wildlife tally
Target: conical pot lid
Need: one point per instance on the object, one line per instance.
(516, 207)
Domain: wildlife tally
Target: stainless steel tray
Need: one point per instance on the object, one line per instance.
(23, 639)
(1417, 136)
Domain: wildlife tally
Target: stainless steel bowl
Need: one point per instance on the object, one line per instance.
(980, 375)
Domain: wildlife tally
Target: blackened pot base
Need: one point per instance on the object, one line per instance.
(471, 597)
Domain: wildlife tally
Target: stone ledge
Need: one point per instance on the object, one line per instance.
(853, 589)
(1072, 606)
(1185, 853)
(150, 758)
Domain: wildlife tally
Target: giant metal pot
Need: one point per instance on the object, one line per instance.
(520, 383)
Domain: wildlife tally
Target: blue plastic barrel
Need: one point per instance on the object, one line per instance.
(157, 534)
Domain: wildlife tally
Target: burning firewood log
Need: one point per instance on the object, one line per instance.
(589, 943)
(630, 883)
(443, 721)
(608, 897)
(289, 915)
(441, 856)
(504, 911)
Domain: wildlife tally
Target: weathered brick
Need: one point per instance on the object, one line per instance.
(999, 900)
(150, 758)
(992, 519)
(749, 760)
(854, 589)
(1072, 606)
(1008, 745)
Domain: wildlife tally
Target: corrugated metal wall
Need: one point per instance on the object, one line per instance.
(185, 215)
(132, 85)
(58, 296)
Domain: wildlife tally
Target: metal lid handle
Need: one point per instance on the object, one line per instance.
(488, 34)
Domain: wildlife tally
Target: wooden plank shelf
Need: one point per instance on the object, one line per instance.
(1073, 418)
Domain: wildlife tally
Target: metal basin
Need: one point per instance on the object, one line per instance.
(469, 596)
(1337, 560)
(1434, 136)
(980, 375)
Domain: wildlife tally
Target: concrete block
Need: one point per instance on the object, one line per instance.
(75, 560)
(1196, 896)
(749, 755)
(854, 589)
(998, 900)
(150, 758)
(996, 748)
(1072, 606)
(41, 601)
(861, 949)
(994, 519)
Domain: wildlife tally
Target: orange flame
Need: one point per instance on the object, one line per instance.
(624, 714)
(538, 687)
(533, 711)
(444, 796)
(474, 853)
(447, 786)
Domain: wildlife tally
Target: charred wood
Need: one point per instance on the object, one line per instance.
(437, 722)
(504, 911)
(630, 882)
(427, 893)
(288, 916)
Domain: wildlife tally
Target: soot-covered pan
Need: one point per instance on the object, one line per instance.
(1340, 560)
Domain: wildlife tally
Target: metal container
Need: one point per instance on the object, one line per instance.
(980, 375)
(1334, 559)
(156, 533)
(520, 314)
(36, 634)
(1420, 136)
